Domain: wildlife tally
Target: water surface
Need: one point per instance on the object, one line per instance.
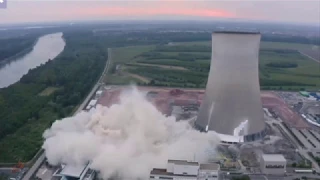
(47, 47)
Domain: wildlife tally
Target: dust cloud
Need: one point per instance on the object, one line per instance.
(125, 140)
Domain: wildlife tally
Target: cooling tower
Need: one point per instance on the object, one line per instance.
(232, 105)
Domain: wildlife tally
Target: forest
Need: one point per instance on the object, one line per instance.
(25, 114)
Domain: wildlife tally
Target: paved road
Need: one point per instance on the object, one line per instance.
(106, 69)
(34, 167)
(316, 60)
(42, 157)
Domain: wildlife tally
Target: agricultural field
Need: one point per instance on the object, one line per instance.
(186, 64)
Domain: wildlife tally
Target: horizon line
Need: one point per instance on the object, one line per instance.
(225, 20)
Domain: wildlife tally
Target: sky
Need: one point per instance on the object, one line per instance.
(290, 11)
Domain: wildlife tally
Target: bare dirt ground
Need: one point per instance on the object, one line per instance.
(163, 98)
(270, 100)
(109, 97)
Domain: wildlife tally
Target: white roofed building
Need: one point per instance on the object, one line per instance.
(184, 170)
(69, 172)
(91, 104)
(99, 93)
(273, 164)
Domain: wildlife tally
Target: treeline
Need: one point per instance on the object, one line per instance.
(272, 82)
(13, 46)
(291, 39)
(25, 115)
(199, 66)
(282, 65)
(192, 57)
(180, 56)
(193, 48)
(156, 55)
(159, 37)
(280, 51)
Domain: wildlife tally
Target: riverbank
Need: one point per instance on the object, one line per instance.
(18, 55)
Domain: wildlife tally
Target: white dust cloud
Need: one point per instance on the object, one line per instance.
(127, 139)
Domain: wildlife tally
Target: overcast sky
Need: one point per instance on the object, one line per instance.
(302, 11)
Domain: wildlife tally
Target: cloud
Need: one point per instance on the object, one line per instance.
(154, 8)
(128, 139)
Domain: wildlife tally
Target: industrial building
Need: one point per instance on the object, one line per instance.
(69, 172)
(91, 104)
(274, 164)
(209, 172)
(99, 93)
(185, 170)
(232, 105)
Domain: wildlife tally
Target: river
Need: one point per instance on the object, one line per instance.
(47, 47)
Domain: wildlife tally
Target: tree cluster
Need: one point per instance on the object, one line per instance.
(282, 65)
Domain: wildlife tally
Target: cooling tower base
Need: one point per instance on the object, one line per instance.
(229, 139)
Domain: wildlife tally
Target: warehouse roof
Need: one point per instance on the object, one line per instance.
(274, 157)
(182, 162)
(73, 171)
(93, 102)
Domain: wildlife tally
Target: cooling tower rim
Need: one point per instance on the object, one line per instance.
(236, 32)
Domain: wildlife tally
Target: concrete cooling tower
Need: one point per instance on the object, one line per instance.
(232, 105)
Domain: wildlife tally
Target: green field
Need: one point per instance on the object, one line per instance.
(118, 80)
(281, 65)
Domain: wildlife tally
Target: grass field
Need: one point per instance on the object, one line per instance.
(118, 80)
(125, 54)
(186, 64)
